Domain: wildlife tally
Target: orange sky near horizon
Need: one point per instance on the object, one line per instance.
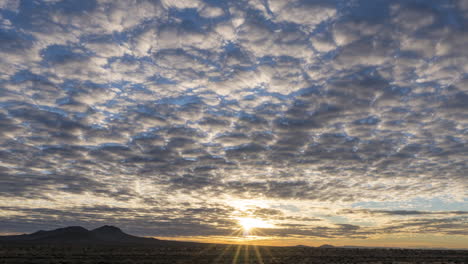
(406, 241)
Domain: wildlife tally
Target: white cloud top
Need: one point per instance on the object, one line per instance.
(335, 104)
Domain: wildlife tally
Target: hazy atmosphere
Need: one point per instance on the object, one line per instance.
(264, 121)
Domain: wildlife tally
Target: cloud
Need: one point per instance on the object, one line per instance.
(284, 101)
(305, 13)
(401, 212)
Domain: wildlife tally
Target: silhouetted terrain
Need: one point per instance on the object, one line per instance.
(109, 244)
(77, 235)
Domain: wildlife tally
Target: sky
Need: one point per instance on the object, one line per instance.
(339, 122)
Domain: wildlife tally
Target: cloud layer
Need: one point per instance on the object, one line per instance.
(164, 112)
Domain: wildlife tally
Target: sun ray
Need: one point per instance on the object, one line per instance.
(236, 232)
(226, 249)
(257, 254)
(236, 256)
(246, 254)
(268, 252)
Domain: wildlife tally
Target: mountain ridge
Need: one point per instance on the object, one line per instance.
(107, 234)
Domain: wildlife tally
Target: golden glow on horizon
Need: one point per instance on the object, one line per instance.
(405, 241)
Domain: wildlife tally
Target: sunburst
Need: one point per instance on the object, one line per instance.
(249, 225)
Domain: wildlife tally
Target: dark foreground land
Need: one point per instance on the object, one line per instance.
(205, 253)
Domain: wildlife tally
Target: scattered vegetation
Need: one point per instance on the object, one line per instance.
(205, 253)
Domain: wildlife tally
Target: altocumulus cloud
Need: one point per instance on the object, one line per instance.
(162, 112)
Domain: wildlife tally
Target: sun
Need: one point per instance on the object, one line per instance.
(249, 223)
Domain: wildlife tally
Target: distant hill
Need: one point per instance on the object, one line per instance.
(106, 235)
(326, 246)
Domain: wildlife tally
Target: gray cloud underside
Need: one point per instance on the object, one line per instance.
(212, 221)
(254, 99)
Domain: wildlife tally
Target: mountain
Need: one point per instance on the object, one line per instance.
(80, 235)
(112, 234)
(326, 246)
